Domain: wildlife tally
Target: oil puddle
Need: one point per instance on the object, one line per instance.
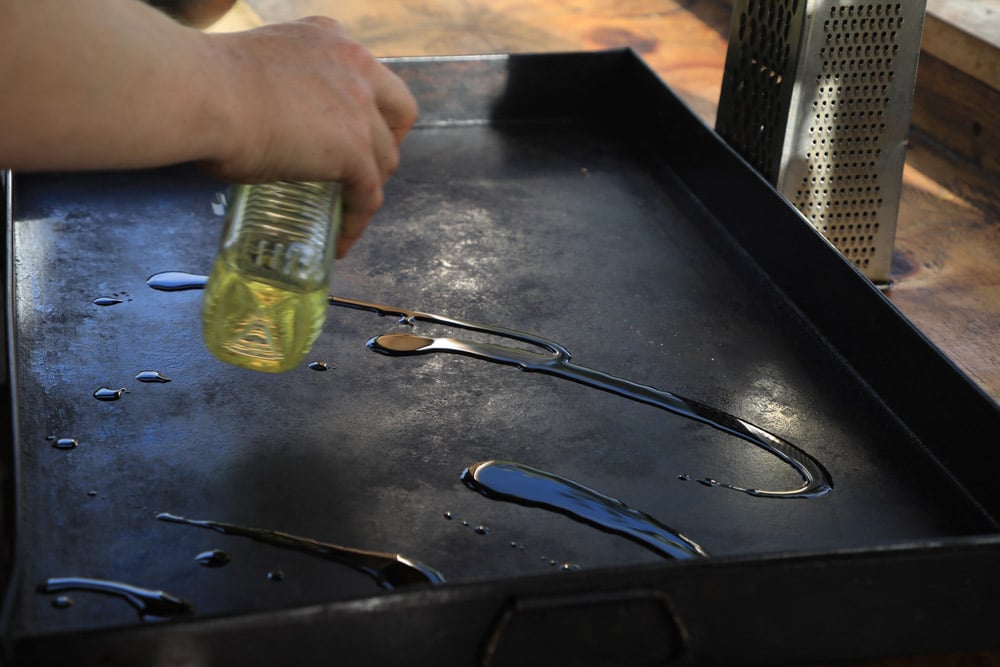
(151, 605)
(517, 483)
(388, 570)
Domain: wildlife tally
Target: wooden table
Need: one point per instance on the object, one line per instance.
(946, 262)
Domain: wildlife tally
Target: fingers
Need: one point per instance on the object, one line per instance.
(385, 147)
(361, 201)
(336, 113)
(397, 112)
(395, 103)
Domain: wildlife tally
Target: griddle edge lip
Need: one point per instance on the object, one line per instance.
(707, 601)
(9, 580)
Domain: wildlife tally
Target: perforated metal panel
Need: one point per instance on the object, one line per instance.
(817, 95)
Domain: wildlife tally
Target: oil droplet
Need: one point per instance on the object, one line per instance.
(62, 602)
(388, 570)
(482, 530)
(449, 516)
(464, 522)
(65, 443)
(684, 478)
(570, 567)
(214, 558)
(108, 394)
(106, 301)
(176, 281)
(151, 376)
(514, 482)
(151, 605)
(92, 493)
(275, 575)
(319, 366)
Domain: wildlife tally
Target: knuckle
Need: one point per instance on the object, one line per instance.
(392, 162)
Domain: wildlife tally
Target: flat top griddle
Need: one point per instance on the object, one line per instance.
(568, 196)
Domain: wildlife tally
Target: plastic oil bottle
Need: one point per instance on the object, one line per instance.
(266, 298)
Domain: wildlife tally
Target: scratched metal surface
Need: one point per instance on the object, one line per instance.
(559, 226)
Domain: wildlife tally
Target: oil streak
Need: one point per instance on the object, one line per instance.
(556, 362)
(151, 605)
(388, 570)
(517, 483)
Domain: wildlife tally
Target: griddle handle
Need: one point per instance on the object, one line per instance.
(583, 629)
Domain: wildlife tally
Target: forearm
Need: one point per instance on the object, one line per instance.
(159, 97)
(114, 84)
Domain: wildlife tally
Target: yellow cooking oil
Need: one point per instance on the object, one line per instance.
(266, 299)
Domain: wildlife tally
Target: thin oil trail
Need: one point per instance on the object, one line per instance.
(388, 570)
(151, 605)
(555, 361)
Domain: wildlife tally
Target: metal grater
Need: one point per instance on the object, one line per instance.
(817, 96)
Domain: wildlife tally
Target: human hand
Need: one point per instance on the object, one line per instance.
(306, 102)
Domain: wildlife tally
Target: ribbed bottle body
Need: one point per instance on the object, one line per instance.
(266, 298)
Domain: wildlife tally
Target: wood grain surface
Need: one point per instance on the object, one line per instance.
(947, 252)
(966, 33)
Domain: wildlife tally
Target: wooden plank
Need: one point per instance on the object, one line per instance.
(966, 35)
(946, 260)
(960, 112)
